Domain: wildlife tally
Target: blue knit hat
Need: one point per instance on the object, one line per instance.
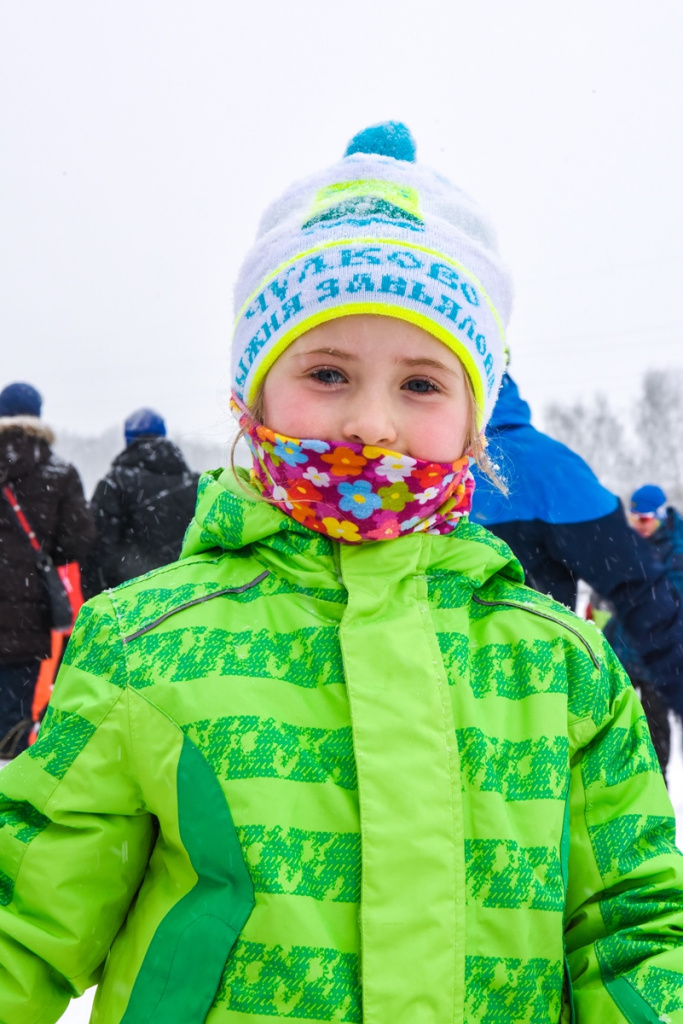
(20, 400)
(649, 500)
(144, 423)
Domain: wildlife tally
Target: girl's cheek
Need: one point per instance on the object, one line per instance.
(298, 412)
(441, 436)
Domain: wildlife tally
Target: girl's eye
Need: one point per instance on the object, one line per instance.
(326, 375)
(420, 386)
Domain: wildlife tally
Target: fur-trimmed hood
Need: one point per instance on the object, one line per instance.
(30, 425)
(24, 444)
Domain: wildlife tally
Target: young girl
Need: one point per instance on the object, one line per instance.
(338, 763)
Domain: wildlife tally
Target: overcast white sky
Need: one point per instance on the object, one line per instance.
(141, 140)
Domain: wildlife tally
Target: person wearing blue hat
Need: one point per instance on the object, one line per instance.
(142, 506)
(661, 526)
(648, 510)
(42, 494)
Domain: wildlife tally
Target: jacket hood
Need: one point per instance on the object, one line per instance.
(230, 515)
(510, 410)
(24, 444)
(29, 425)
(155, 454)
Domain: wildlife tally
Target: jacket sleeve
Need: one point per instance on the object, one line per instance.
(103, 566)
(75, 528)
(75, 836)
(622, 645)
(616, 562)
(675, 563)
(624, 907)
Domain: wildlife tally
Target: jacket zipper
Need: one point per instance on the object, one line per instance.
(540, 615)
(191, 604)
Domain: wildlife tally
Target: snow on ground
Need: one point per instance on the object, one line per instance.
(675, 774)
(79, 1009)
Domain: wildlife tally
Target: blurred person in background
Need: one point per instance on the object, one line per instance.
(142, 507)
(40, 490)
(563, 525)
(661, 526)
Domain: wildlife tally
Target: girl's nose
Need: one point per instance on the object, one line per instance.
(369, 422)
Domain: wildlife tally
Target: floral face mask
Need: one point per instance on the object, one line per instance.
(354, 492)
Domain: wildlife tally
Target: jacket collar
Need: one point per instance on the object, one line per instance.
(230, 516)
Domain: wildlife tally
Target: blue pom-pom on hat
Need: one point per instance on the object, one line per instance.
(391, 138)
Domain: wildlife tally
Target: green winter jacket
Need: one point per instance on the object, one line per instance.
(285, 777)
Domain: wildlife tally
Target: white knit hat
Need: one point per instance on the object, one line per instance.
(374, 233)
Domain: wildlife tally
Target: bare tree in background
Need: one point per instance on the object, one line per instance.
(624, 459)
(595, 432)
(659, 419)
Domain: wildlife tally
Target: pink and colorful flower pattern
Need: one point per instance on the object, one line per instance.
(355, 492)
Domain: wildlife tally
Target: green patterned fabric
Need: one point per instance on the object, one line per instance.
(382, 783)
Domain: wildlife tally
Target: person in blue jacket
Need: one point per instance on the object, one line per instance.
(661, 526)
(563, 525)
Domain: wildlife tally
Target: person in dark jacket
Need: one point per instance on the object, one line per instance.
(661, 526)
(50, 494)
(142, 506)
(563, 525)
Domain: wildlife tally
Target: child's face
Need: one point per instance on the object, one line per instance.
(371, 380)
(644, 525)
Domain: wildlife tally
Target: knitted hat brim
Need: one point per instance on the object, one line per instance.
(271, 348)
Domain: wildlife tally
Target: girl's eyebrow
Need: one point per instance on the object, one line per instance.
(339, 354)
(426, 362)
(335, 352)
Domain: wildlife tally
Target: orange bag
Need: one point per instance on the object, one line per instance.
(70, 576)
